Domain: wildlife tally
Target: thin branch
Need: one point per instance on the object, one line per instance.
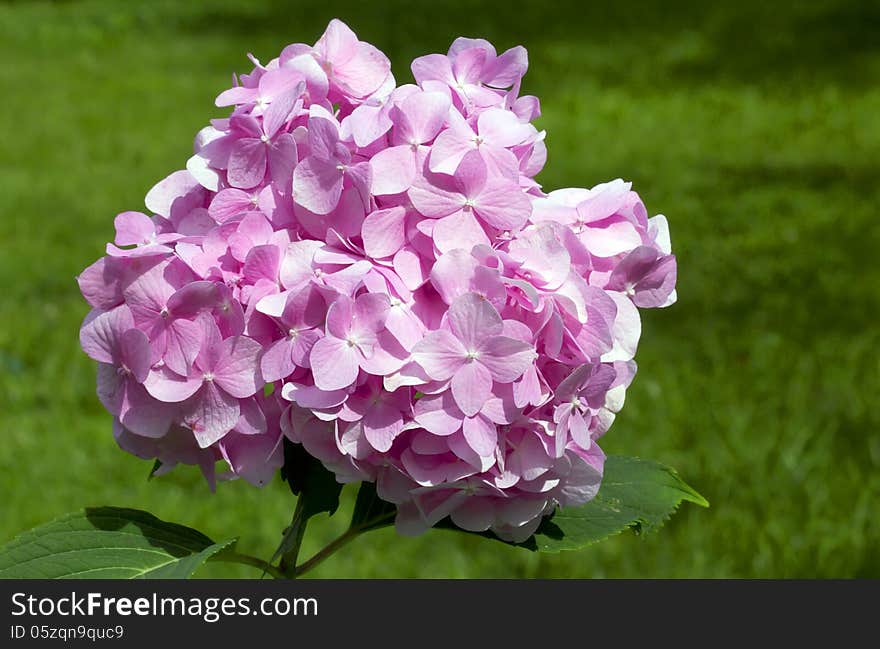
(248, 560)
(338, 543)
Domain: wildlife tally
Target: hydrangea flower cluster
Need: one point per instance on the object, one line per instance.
(427, 317)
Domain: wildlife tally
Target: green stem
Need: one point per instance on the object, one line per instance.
(340, 542)
(248, 560)
(297, 531)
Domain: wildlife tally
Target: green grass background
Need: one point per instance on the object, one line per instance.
(754, 126)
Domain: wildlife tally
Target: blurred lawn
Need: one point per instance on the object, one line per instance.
(754, 126)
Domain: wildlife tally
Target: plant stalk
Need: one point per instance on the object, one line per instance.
(296, 532)
(338, 543)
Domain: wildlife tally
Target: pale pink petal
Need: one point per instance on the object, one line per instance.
(432, 67)
(146, 416)
(340, 316)
(450, 147)
(229, 203)
(481, 434)
(283, 157)
(438, 413)
(579, 430)
(370, 312)
(133, 228)
(473, 320)
(363, 73)
(280, 109)
(101, 333)
(440, 354)
(165, 385)
(247, 163)
(502, 205)
(236, 95)
(459, 230)
(474, 515)
(424, 114)
(317, 185)
(134, 353)
(502, 128)
(393, 170)
(410, 268)
(386, 356)
(467, 66)
(334, 363)
(237, 371)
(452, 273)
(183, 342)
(383, 232)
(382, 424)
(179, 192)
(255, 458)
(310, 396)
(211, 413)
(471, 387)
(506, 358)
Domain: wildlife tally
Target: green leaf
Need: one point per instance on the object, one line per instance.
(635, 493)
(310, 480)
(107, 543)
(370, 511)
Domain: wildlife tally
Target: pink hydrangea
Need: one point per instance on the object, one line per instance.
(382, 256)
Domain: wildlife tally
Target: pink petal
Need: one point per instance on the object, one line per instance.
(334, 363)
(383, 232)
(440, 354)
(438, 413)
(471, 387)
(471, 175)
(382, 424)
(432, 200)
(280, 109)
(579, 430)
(317, 185)
(236, 95)
(467, 66)
(459, 230)
(386, 355)
(432, 67)
(229, 203)
(423, 115)
(410, 267)
(211, 413)
(340, 316)
(309, 396)
(237, 371)
(370, 312)
(502, 205)
(450, 147)
(283, 157)
(473, 320)
(101, 333)
(146, 416)
(179, 192)
(133, 228)
(363, 73)
(502, 128)
(506, 358)
(394, 170)
(247, 163)
(183, 342)
(135, 353)
(165, 385)
(452, 273)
